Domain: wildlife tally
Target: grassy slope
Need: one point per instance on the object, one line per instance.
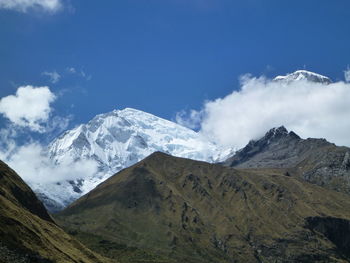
(28, 233)
(198, 212)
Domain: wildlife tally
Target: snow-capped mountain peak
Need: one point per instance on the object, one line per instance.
(116, 140)
(120, 132)
(304, 75)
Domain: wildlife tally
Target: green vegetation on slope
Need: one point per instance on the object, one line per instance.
(191, 211)
(28, 233)
(122, 252)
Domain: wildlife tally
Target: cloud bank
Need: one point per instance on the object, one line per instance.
(25, 5)
(308, 108)
(29, 107)
(189, 119)
(32, 162)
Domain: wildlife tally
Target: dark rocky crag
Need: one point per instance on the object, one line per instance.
(190, 211)
(314, 160)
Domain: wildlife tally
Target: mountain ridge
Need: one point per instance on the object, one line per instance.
(192, 211)
(315, 160)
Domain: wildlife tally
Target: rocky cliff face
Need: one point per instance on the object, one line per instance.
(315, 160)
(277, 149)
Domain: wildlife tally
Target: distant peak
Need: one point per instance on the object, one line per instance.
(277, 132)
(304, 75)
(280, 129)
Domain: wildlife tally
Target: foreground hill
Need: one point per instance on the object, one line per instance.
(28, 233)
(314, 160)
(191, 211)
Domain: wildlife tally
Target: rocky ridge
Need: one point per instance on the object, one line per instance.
(315, 160)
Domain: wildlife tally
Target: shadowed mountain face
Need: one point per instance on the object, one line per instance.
(27, 232)
(190, 211)
(315, 160)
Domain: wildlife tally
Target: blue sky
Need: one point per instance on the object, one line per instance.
(163, 56)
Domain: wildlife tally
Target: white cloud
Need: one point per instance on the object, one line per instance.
(58, 124)
(26, 5)
(81, 73)
(191, 120)
(7, 144)
(32, 162)
(53, 76)
(347, 75)
(71, 70)
(310, 109)
(29, 107)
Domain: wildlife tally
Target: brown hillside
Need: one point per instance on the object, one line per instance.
(190, 211)
(28, 233)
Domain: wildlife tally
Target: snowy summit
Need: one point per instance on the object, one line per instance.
(117, 140)
(304, 75)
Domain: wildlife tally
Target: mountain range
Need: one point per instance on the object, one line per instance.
(191, 211)
(281, 198)
(171, 209)
(120, 138)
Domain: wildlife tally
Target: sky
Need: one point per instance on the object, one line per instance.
(163, 56)
(206, 64)
(171, 58)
